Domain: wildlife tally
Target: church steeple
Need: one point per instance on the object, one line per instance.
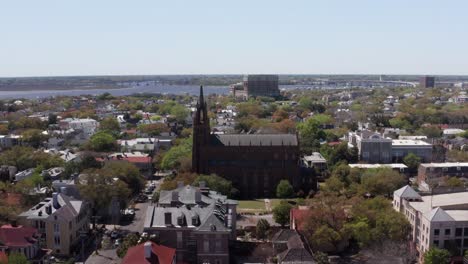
(201, 133)
(201, 100)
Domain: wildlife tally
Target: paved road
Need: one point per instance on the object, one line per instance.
(139, 220)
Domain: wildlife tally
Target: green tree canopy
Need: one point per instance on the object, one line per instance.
(99, 188)
(412, 161)
(437, 256)
(215, 183)
(125, 172)
(33, 137)
(284, 189)
(310, 135)
(102, 141)
(173, 157)
(382, 181)
(454, 182)
(110, 125)
(281, 213)
(262, 229)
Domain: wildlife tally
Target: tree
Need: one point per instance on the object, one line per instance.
(382, 181)
(125, 172)
(334, 185)
(33, 137)
(129, 241)
(26, 157)
(412, 161)
(310, 135)
(99, 188)
(52, 119)
(215, 183)
(110, 125)
(321, 258)
(284, 189)
(262, 228)
(180, 113)
(17, 258)
(326, 238)
(153, 129)
(281, 213)
(172, 158)
(454, 182)
(437, 256)
(102, 141)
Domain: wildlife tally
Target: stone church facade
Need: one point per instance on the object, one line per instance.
(254, 163)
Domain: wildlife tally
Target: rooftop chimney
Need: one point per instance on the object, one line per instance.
(175, 196)
(55, 202)
(148, 250)
(197, 196)
(168, 218)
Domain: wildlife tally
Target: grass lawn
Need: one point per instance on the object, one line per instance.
(275, 202)
(251, 205)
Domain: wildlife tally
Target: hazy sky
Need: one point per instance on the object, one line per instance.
(90, 37)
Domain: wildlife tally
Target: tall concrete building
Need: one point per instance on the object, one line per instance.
(427, 82)
(256, 85)
(439, 221)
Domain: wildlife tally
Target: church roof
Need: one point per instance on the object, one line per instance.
(255, 140)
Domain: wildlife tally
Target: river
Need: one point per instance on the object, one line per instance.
(159, 88)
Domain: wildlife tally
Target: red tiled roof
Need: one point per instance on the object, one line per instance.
(298, 215)
(136, 255)
(18, 236)
(142, 159)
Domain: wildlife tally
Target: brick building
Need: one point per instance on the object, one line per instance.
(256, 85)
(254, 163)
(197, 222)
(433, 173)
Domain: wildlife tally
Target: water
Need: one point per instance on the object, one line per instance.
(159, 88)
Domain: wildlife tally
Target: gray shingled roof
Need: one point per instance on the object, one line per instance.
(296, 256)
(69, 208)
(283, 235)
(254, 140)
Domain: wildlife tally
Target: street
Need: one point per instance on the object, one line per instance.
(136, 225)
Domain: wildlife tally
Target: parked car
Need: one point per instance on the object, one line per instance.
(129, 211)
(115, 234)
(141, 198)
(117, 243)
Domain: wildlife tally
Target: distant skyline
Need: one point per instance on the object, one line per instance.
(152, 37)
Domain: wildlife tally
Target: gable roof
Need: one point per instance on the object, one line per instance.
(439, 215)
(254, 140)
(296, 256)
(407, 192)
(160, 254)
(212, 223)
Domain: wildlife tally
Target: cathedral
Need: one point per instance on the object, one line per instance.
(254, 163)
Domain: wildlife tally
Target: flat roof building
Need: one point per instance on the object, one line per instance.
(427, 82)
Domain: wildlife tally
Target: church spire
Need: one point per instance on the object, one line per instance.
(201, 100)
